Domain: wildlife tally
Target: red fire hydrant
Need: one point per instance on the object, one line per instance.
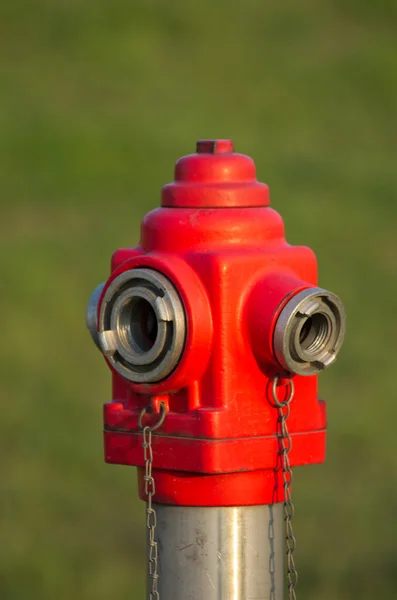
(214, 330)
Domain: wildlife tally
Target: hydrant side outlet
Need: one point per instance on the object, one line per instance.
(198, 320)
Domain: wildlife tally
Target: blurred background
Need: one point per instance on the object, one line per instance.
(97, 101)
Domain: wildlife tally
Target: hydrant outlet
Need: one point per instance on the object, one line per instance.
(91, 315)
(309, 331)
(142, 325)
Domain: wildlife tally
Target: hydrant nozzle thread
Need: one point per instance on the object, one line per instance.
(309, 331)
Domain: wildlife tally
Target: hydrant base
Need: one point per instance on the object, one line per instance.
(226, 489)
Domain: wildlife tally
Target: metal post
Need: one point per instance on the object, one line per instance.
(220, 553)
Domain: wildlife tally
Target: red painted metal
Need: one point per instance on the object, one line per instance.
(223, 248)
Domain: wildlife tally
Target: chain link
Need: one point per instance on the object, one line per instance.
(150, 490)
(284, 410)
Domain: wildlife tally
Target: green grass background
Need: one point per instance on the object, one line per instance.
(97, 100)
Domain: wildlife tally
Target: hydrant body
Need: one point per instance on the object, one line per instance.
(199, 320)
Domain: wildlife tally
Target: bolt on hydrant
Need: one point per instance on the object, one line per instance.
(215, 330)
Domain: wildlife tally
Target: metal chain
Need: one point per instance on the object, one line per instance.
(150, 490)
(151, 517)
(284, 410)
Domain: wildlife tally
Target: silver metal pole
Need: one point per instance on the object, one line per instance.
(220, 553)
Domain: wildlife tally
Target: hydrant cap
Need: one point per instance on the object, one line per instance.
(215, 177)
